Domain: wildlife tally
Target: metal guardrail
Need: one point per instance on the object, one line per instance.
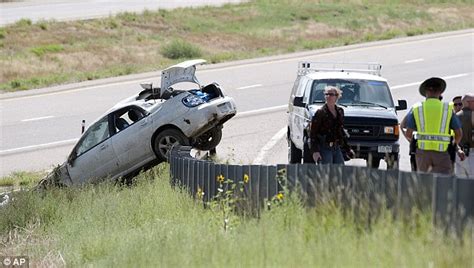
(450, 198)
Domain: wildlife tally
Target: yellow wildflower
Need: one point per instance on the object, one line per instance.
(220, 178)
(246, 178)
(279, 196)
(199, 193)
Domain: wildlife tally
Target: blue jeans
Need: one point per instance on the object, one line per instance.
(331, 155)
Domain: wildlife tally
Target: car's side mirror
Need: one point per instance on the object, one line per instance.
(72, 157)
(298, 101)
(402, 105)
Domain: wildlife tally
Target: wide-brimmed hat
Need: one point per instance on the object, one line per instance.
(433, 82)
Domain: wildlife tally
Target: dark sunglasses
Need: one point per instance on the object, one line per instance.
(458, 104)
(330, 94)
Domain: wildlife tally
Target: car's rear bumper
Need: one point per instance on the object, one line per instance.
(204, 117)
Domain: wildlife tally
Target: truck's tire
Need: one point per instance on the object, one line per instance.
(294, 154)
(307, 155)
(374, 162)
(392, 162)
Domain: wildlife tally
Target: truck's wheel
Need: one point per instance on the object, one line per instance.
(294, 154)
(307, 155)
(374, 162)
(165, 140)
(209, 140)
(392, 162)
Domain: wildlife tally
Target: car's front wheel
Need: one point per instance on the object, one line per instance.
(209, 140)
(165, 140)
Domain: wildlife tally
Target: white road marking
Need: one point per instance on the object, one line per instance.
(455, 76)
(417, 83)
(413, 61)
(38, 146)
(251, 86)
(37, 118)
(262, 111)
(269, 146)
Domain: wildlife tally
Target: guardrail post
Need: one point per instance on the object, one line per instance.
(302, 181)
(247, 194)
(213, 184)
(206, 177)
(282, 176)
(391, 189)
(264, 185)
(311, 179)
(415, 191)
(443, 202)
(272, 181)
(465, 203)
(257, 200)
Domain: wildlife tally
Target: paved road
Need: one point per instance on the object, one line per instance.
(62, 10)
(39, 127)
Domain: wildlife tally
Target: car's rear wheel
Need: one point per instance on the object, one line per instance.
(165, 140)
(294, 154)
(209, 140)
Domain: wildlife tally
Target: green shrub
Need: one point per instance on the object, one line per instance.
(43, 25)
(178, 49)
(3, 33)
(23, 23)
(41, 50)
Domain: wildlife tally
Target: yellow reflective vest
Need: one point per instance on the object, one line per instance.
(432, 118)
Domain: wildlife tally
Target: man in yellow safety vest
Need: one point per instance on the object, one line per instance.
(432, 120)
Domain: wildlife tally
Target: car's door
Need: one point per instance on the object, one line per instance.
(93, 156)
(132, 143)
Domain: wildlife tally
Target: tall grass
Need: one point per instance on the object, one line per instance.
(151, 224)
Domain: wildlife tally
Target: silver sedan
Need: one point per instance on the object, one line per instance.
(141, 130)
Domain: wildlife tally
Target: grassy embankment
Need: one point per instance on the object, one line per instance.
(49, 53)
(152, 224)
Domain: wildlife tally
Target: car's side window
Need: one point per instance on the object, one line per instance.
(94, 135)
(127, 117)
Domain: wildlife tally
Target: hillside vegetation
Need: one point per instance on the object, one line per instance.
(46, 53)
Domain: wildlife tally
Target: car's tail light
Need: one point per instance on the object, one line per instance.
(192, 101)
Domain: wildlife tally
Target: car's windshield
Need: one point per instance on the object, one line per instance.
(354, 92)
(93, 136)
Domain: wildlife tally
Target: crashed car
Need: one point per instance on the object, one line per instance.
(142, 129)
